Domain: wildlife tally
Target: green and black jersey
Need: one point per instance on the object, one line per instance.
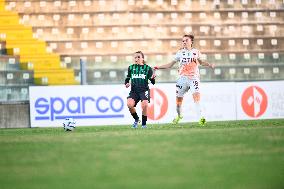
(139, 76)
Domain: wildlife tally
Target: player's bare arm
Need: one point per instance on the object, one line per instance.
(203, 63)
(165, 66)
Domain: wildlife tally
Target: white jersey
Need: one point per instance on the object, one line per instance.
(188, 63)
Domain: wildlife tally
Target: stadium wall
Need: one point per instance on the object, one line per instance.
(14, 115)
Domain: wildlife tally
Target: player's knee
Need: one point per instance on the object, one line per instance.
(179, 101)
(130, 104)
(196, 97)
(144, 104)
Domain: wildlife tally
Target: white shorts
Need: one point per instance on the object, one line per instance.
(184, 84)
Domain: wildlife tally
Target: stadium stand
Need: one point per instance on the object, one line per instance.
(13, 81)
(243, 38)
(33, 55)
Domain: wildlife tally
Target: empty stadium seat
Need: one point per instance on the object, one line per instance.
(106, 33)
(16, 77)
(14, 93)
(18, 40)
(9, 62)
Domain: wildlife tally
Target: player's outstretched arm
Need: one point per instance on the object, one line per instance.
(203, 63)
(165, 66)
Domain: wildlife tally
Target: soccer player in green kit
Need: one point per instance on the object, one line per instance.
(137, 77)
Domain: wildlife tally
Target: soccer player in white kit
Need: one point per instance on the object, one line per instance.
(189, 78)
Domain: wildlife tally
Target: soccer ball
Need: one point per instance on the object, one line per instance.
(69, 124)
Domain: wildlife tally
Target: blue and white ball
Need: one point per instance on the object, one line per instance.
(69, 124)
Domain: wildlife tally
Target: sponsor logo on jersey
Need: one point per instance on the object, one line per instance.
(139, 76)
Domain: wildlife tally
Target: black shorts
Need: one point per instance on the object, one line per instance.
(137, 96)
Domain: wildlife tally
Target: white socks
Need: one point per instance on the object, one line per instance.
(198, 109)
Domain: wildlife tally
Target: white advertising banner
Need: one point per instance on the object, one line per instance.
(92, 105)
(106, 104)
(260, 100)
(88, 105)
(217, 103)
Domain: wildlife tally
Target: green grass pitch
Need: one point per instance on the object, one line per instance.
(223, 155)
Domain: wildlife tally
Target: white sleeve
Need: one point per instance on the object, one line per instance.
(196, 53)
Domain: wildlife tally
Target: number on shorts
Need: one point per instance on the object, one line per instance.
(195, 84)
(146, 94)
